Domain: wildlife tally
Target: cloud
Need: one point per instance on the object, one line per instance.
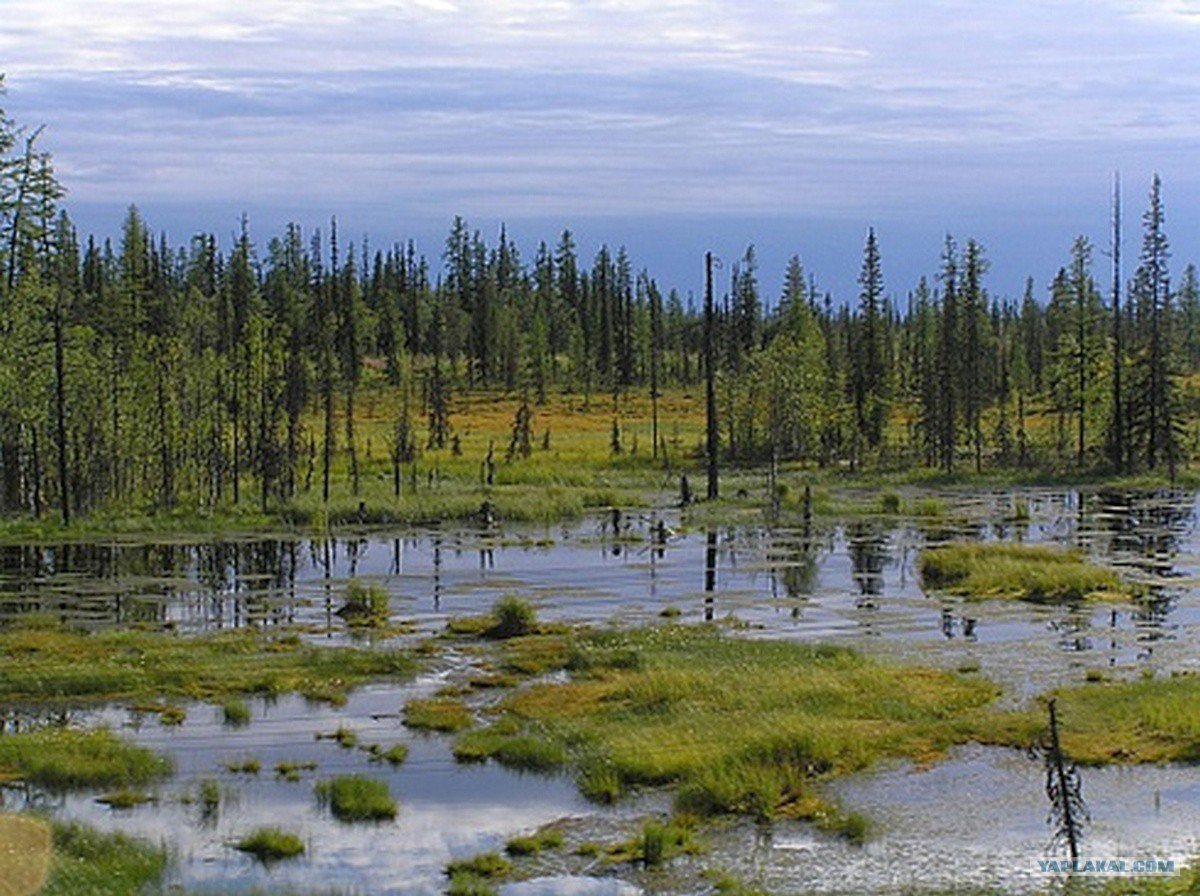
(564, 107)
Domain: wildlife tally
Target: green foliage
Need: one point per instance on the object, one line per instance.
(487, 865)
(236, 713)
(65, 758)
(437, 714)
(86, 861)
(357, 798)
(1026, 572)
(692, 713)
(60, 664)
(271, 844)
(514, 617)
(547, 838)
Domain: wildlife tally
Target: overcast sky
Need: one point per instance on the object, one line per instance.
(668, 125)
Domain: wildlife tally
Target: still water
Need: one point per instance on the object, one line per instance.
(854, 583)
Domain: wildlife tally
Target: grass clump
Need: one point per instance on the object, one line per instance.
(393, 755)
(437, 714)
(514, 616)
(271, 844)
(86, 861)
(65, 758)
(548, 838)
(357, 798)
(486, 865)
(52, 663)
(209, 794)
(739, 726)
(657, 843)
(290, 771)
(236, 713)
(1023, 572)
(124, 799)
(244, 766)
(366, 604)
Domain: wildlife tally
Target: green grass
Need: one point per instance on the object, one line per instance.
(236, 713)
(290, 771)
(271, 844)
(488, 865)
(512, 747)
(51, 663)
(1024, 572)
(437, 714)
(736, 725)
(514, 616)
(357, 798)
(68, 758)
(547, 838)
(1148, 720)
(366, 604)
(88, 862)
(125, 799)
(244, 766)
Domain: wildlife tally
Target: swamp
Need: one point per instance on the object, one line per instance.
(635, 701)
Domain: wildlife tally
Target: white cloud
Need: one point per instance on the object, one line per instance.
(633, 105)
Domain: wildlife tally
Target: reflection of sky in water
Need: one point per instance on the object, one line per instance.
(445, 809)
(855, 583)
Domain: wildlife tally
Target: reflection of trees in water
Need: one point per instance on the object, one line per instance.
(868, 556)
(1142, 529)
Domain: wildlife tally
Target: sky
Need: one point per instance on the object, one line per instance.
(669, 126)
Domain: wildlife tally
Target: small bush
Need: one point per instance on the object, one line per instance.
(244, 767)
(271, 844)
(357, 798)
(889, 502)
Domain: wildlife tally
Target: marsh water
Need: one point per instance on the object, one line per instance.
(978, 817)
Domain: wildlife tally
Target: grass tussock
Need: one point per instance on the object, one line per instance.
(68, 758)
(366, 604)
(236, 713)
(737, 726)
(547, 838)
(54, 663)
(444, 714)
(86, 861)
(271, 844)
(357, 798)
(1037, 573)
(478, 875)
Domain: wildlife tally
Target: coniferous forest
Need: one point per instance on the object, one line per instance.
(166, 375)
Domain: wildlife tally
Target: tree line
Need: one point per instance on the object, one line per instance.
(141, 372)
